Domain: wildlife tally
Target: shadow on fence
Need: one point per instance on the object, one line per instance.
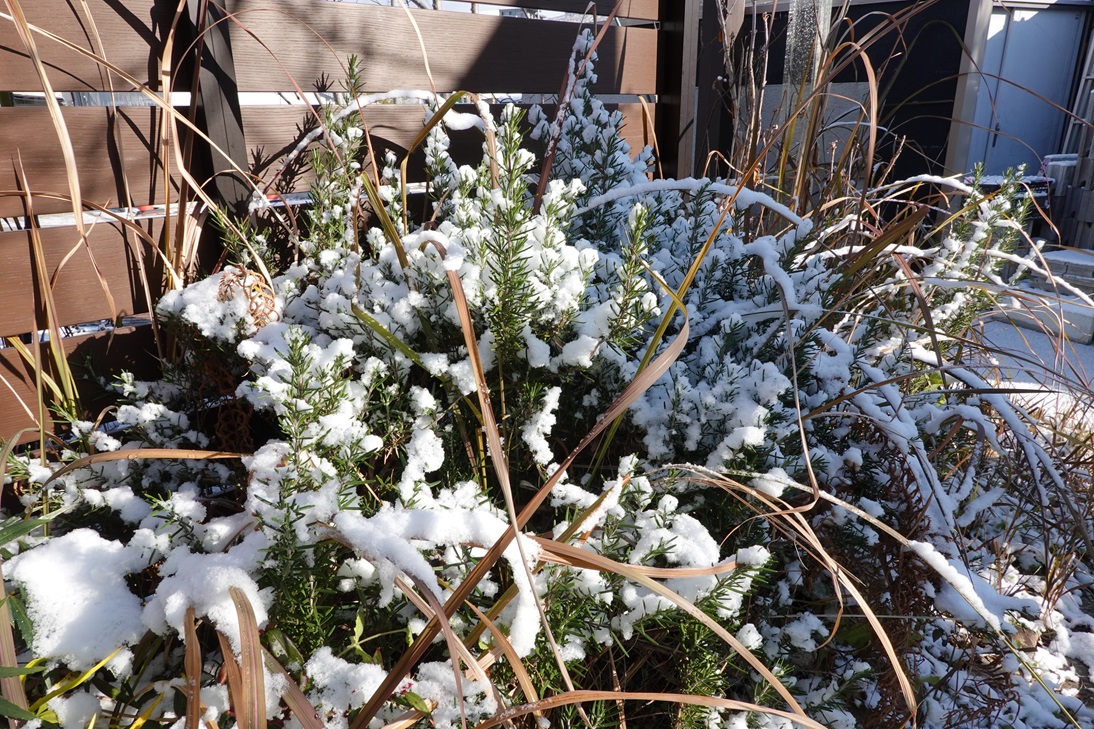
(126, 162)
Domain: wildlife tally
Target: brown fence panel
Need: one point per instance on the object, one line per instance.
(77, 291)
(635, 9)
(117, 161)
(122, 31)
(470, 52)
(80, 299)
(130, 349)
(273, 132)
(116, 152)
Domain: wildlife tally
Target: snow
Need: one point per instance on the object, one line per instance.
(1081, 646)
(1033, 357)
(538, 352)
(435, 682)
(391, 538)
(773, 483)
(338, 685)
(459, 121)
(76, 710)
(749, 637)
(966, 595)
(801, 631)
(743, 197)
(580, 351)
(538, 427)
(217, 316)
(1071, 255)
(425, 454)
(202, 581)
(129, 506)
(382, 461)
(76, 595)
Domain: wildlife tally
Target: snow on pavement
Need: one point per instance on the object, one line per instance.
(1032, 359)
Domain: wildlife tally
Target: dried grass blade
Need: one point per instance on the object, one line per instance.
(422, 135)
(119, 138)
(403, 348)
(421, 47)
(408, 719)
(42, 419)
(133, 82)
(23, 29)
(167, 129)
(893, 233)
(386, 222)
(56, 343)
(253, 683)
(501, 469)
(568, 554)
(10, 686)
(490, 424)
(142, 454)
(298, 703)
(574, 697)
(192, 664)
(681, 339)
(9, 446)
(169, 111)
(70, 683)
(131, 226)
(924, 307)
(432, 608)
(234, 678)
(42, 378)
(565, 97)
(649, 134)
(642, 382)
(804, 534)
(189, 237)
(17, 398)
(906, 687)
(144, 715)
(510, 653)
(871, 139)
(887, 645)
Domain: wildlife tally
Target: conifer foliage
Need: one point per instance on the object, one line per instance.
(687, 550)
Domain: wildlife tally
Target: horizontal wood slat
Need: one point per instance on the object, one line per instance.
(639, 9)
(129, 349)
(297, 40)
(273, 132)
(127, 30)
(469, 52)
(100, 159)
(77, 292)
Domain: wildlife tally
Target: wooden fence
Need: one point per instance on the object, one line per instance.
(250, 46)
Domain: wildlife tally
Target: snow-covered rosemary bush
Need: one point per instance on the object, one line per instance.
(367, 491)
